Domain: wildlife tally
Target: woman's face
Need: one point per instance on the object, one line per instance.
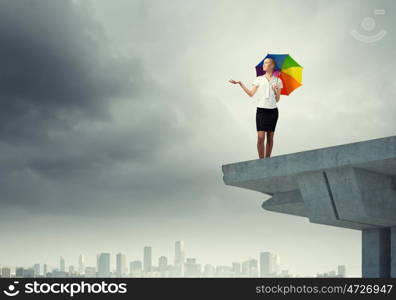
(268, 65)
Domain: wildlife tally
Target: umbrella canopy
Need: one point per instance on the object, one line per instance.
(287, 69)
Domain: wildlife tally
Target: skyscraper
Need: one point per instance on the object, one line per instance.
(179, 258)
(19, 272)
(147, 259)
(236, 269)
(163, 266)
(276, 264)
(81, 264)
(269, 264)
(121, 265)
(135, 268)
(103, 265)
(249, 268)
(36, 269)
(341, 271)
(62, 267)
(45, 270)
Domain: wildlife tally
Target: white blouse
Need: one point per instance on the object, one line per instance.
(265, 93)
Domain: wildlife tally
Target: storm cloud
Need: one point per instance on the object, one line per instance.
(78, 117)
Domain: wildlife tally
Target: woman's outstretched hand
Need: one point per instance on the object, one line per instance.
(234, 81)
(247, 91)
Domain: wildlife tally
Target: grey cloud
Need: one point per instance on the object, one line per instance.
(84, 127)
(56, 65)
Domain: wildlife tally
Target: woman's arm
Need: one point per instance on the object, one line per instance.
(277, 92)
(251, 92)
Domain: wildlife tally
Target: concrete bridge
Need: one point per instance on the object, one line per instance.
(351, 186)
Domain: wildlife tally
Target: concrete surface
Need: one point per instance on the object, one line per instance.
(351, 186)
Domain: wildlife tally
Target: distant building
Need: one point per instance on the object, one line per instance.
(57, 273)
(276, 270)
(236, 269)
(90, 272)
(163, 267)
(45, 270)
(284, 274)
(249, 268)
(19, 272)
(147, 259)
(341, 271)
(269, 264)
(36, 269)
(209, 271)
(332, 274)
(29, 272)
(5, 272)
(81, 264)
(223, 271)
(135, 268)
(179, 258)
(24, 273)
(121, 265)
(103, 265)
(72, 272)
(62, 266)
(191, 268)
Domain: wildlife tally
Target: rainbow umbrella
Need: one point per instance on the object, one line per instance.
(287, 69)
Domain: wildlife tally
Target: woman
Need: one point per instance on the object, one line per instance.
(267, 110)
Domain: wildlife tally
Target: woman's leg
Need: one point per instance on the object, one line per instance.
(260, 143)
(270, 143)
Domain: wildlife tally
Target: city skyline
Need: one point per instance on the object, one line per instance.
(266, 265)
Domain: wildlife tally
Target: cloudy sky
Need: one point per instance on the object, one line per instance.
(116, 117)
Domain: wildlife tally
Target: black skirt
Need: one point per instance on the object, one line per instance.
(266, 118)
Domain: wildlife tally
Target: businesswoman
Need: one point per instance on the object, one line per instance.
(269, 87)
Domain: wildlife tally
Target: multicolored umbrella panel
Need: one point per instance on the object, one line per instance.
(287, 69)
